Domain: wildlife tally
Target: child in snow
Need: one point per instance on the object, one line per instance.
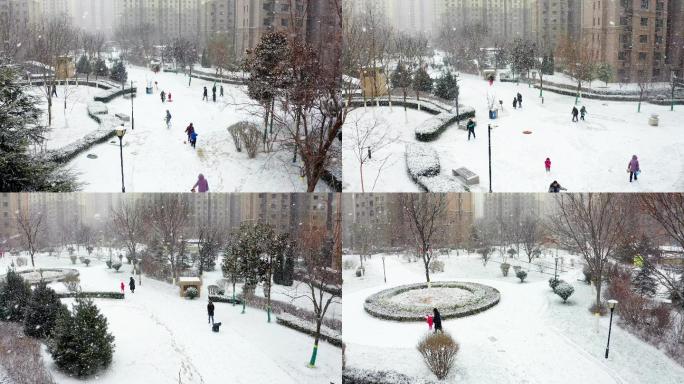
(471, 128)
(633, 168)
(583, 111)
(193, 139)
(515, 102)
(123, 287)
(131, 284)
(168, 119)
(547, 165)
(430, 321)
(201, 186)
(189, 130)
(221, 90)
(205, 95)
(575, 112)
(170, 100)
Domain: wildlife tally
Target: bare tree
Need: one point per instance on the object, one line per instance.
(644, 82)
(31, 225)
(668, 211)
(577, 61)
(168, 218)
(367, 139)
(422, 214)
(591, 226)
(221, 52)
(321, 286)
(532, 234)
(51, 40)
(129, 223)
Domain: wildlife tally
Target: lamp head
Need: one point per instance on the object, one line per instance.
(612, 304)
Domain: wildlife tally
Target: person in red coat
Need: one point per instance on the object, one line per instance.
(547, 165)
(123, 287)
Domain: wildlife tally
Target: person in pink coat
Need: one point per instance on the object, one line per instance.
(547, 165)
(429, 320)
(123, 287)
(633, 168)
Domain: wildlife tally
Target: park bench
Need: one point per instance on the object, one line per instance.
(469, 177)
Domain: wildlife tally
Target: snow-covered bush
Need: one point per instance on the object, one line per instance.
(564, 290)
(73, 259)
(191, 293)
(248, 134)
(421, 160)
(71, 281)
(433, 127)
(21, 261)
(309, 327)
(15, 293)
(81, 344)
(504, 268)
(441, 184)
(439, 353)
(97, 108)
(360, 271)
(553, 282)
(522, 275)
(436, 266)
(82, 259)
(25, 357)
(349, 264)
(116, 265)
(86, 262)
(364, 376)
(109, 264)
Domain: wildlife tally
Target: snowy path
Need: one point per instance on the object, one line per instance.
(529, 337)
(586, 156)
(158, 159)
(160, 336)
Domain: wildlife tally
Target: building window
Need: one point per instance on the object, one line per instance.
(642, 56)
(658, 39)
(643, 38)
(621, 55)
(644, 4)
(644, 21)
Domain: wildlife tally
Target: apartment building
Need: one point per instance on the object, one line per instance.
(505, 20)
(674, 60)
(553, 22)
(629, 35)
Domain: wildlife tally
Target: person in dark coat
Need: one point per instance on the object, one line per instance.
(210, 312)
(575, 112)
(221, 90)
(163, 96)
(131, 284)
(205, 95)
(54, 90)
(189, 130)
(555, 187)
(213, 93)
(519, 100)
(193, 139)
(583, 111)
(437, 320)
(471, 128)
(515, 103)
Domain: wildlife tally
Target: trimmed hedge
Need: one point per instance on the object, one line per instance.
(92, 295)
(115, 93)
(224, 299)
(331, 336)
(378, 304)
(421, 160)
(431, 129)
(366, 376)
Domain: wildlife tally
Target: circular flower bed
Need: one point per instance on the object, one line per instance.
(49, 275)
(412, 302)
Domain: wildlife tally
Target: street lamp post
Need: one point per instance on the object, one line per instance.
(555, 271)
(120, 132)
(489, 139)
(611, 305)
(384, 274)
(132, 117)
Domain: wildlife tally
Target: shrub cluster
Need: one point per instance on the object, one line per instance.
(439, 353)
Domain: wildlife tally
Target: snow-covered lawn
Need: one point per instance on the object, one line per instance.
(591, 155)
(158, 159)
(299, 295)
(160, 335)
(529, 337)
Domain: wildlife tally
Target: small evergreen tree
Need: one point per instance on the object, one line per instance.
(83, 67)
(81, 344)
(101, 68)
(41, 312)
(119, 73)
(547, 65)
(15, 294)
(204, 60)
(644, 281)
(421, 82)
(564, 290)
(447, 87)
(401, 79)
(604, 72)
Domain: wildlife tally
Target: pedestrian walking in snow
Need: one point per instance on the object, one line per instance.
(54, 90)
(221, 90)
(471, 128)
(633, 168)
(202, 185)
(437, 319)
(205, 95)
(131, 284)
(515, 103)
(519, 100)
(430, 321)
(168, 119)
(555, 187)
(163, 96)
(547, 165)
(491, 80)
(123, 287)
(213, 93)
(583, 111)
(575, 112)
(169, 99)
(189, 130)
(193, 139)
(210, 312)
(156, 86)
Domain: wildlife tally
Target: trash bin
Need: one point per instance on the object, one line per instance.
(653, 120)
(148, 90)
(492, 114)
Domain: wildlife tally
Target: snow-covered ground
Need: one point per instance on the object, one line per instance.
(298, 294)
(160, 335)
(529, 337)
(157, 159)
(591, 155)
